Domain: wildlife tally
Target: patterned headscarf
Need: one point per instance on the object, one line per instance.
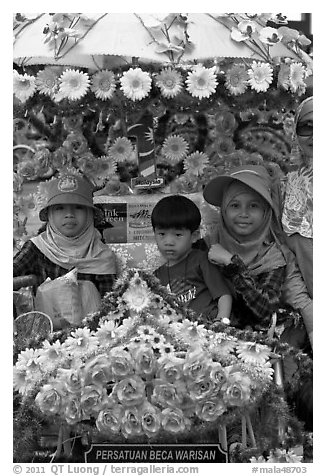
(258, 251)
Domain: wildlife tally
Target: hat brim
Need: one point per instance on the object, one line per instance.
(214, 190)
(74, 199)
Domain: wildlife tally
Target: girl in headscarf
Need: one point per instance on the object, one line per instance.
(244, 246)
(70, 239)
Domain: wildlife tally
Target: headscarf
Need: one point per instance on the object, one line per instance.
(86, 251)
(259, 251)
(305, 108)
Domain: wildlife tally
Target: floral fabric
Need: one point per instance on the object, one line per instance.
(298, 203)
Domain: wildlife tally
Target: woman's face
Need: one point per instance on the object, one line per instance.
(304, 131)
(69, 219)
(244, 214)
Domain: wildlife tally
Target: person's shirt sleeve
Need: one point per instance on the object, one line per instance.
(261, 293)
(214, 279)
(25, 260)
(295, 292)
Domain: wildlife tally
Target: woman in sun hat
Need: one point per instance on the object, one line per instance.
(70, 239)
(260, 268)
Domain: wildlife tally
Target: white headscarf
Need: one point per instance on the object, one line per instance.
(86, 252)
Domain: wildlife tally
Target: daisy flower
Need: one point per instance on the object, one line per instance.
(106, 333)
(195, 163)
(135, 84)
(170, 82)
(73, 84)
(47, 81)
(103, 84)
(24, 86)
(296, 77)
(201, 82)
(80, 342)
(244, 30)
(166, 349)
(260, 76)
(107, 167)
(252, 353)
(29, 359)
(237, 79)
(137, 296)
(121, 150)
(145, 331)
(174, 148)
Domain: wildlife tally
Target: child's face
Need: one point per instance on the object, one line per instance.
(304, 132)
(69, 219)
(244, 214)
(174, 244)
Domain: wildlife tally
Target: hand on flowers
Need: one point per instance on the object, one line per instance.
(219, 255)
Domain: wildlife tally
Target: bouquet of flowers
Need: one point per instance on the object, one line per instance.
(140, 367)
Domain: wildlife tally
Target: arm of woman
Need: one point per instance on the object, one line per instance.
(261, 293)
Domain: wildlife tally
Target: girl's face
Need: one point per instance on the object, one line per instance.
(174, 244)
(244, 214)
(69, 219)
(304, 131)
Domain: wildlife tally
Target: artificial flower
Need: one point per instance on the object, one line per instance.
(50, 398)
(171, 368)
(225, 123)
(170, 82)
(236, 79)
(24, 86)
(103, 84)
(47, 80)
(236, 391)
(135, 84)
(73, 84)
(196, 162)
(283, 456)
(150, 419)
(137, 296)
(121, 150)
(129, 391)
(167, 394)
(145, 331)
(296, 77)
(105, 332)
(201, 82)
(210, 409)
(71, 410)
(122, 365)
(109, 418)
(200, 390)
(75, 143)
(93, 399)
(196, 366)
(97, 371)
(71, 379)
(131, 424)
(80, 340)
(244, 30)
(174, 148)
(260, 76)
(251, 352)
(186, 183)
(145, 361)
(269, 36)
(27, 204)
(174, 420)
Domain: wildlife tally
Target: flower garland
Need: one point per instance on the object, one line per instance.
(141, 367)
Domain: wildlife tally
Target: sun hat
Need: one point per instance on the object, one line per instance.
(254, 176)
(68, 189)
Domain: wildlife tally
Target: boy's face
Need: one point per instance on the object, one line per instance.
(69, 219)
(174, 244)
(244, 214)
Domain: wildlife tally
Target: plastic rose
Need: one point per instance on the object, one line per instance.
(217, 374)
(174, 421)
(145, 361)
(150, 419)
(97, 370)
(109, 418)
(92, 400)
(130, 391)
(196, 364)
(71, 378)
(171, 369)
(50, 398)
(131, 422)
(72, 410)
(236, 391)
(210, 409)
(200, 389)
(165, 393)
(122, 364)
